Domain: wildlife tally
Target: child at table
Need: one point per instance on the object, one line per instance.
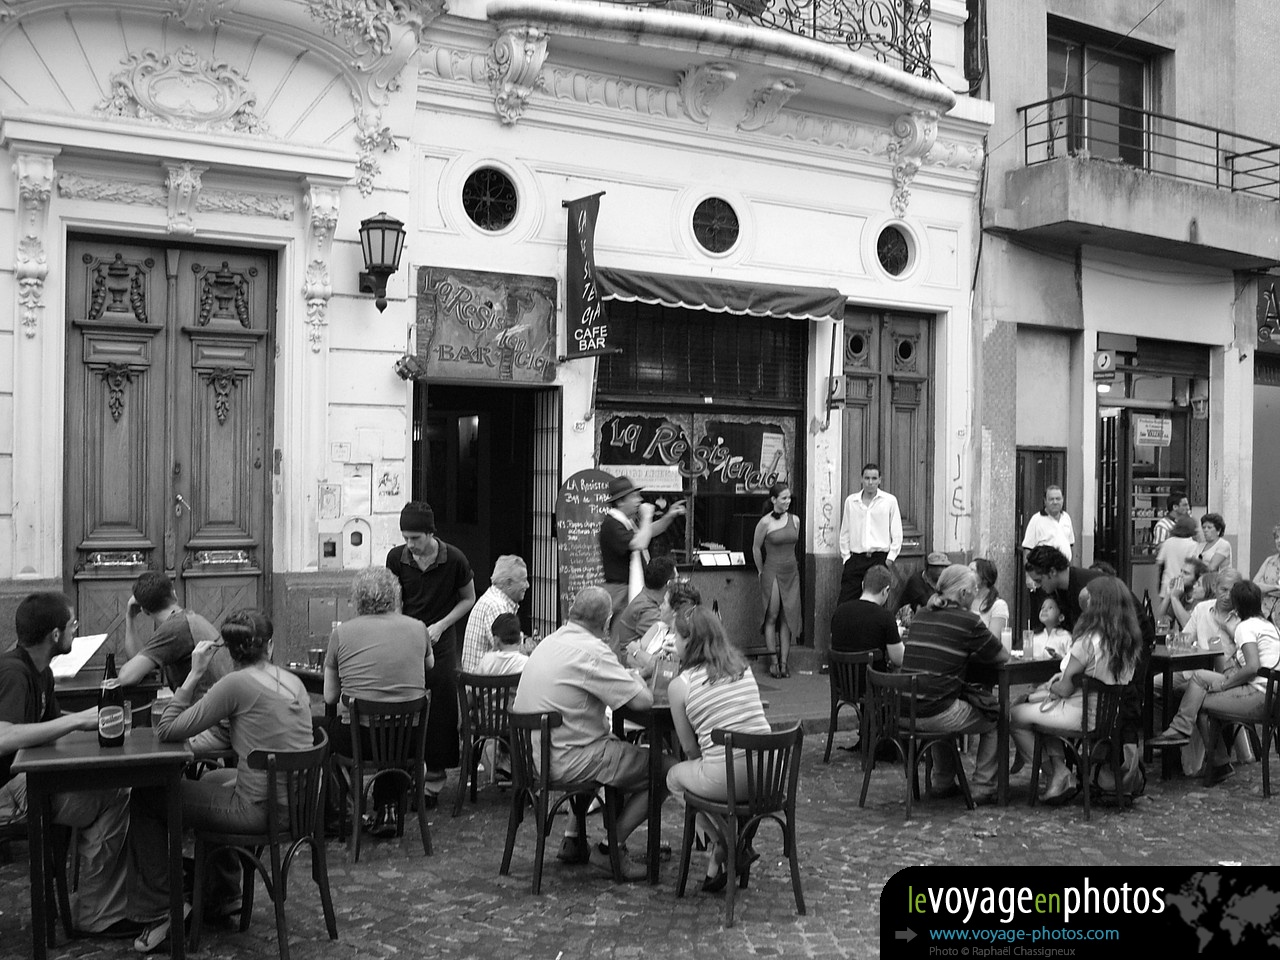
(1053, 641)
(505, 658)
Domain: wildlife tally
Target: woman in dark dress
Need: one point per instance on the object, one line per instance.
(774, 550)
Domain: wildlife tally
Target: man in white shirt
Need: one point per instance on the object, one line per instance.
(1051, 525)
(507, 588)
(870, 532)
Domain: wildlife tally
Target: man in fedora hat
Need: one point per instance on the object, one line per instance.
(624, 542)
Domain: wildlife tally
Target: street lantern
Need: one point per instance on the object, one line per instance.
(382, 242)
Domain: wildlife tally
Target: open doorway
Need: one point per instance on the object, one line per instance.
(488, 461)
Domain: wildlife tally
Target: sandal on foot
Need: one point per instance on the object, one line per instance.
(784, 671)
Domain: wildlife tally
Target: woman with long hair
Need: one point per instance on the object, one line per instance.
(990, 607)
(714, 689)
(774, 550)
(1105, 645)
(268, 709)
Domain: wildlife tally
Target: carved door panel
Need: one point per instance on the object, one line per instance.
(888, 406)
(167, 426)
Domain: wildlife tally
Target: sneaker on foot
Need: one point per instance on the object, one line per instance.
(1220, 773)
(574, 850)
(156, 933)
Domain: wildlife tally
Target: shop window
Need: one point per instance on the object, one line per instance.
(1105, 94)
(706, 408)
(715, 225)
(489, 198)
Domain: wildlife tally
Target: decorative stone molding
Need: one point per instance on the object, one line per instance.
(958, 156)
(184, 185)
(450, 63)
(200, 14)
(321, 204)
(381, 36)
(182, 90)
(34, 173)
(370, 136)
(515, 69)
(701, 86)
(830, 132)
(275, 206)
(767, 102)
(913, 137)
(115, 376)
(615, 93)
(75, 186)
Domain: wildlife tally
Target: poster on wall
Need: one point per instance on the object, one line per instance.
(1151, 431)
(580, 507)
(476, 325)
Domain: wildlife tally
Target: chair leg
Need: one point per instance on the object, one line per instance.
(279, 892)
(197, 896)
(912, 786)
(66, 843)
(960, 774)
(320, 874)
(249, 877)
(463, 770)
(540, 847)
(686, 848)
(789, 838)
(1037, 752)
(730, 865)
(518, 799)
(867, 766)
(1267, 732)
(357, 813)
(415, 783)
(831, 731)
(1086, 760)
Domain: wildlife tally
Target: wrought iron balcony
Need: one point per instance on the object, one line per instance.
(1075, 125)
(896, 32)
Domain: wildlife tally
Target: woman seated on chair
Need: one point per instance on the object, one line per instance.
(1237, 694)
(1105, 646)
(714, 689)
(268, 709)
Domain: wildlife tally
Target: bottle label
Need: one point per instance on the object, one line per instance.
(111, 722)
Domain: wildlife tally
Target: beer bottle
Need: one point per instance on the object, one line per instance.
(110, 707)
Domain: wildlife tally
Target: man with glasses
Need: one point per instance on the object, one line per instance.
(29, 717)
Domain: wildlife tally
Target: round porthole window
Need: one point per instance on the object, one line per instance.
(893, 251)
(715, 225)
(489, 198)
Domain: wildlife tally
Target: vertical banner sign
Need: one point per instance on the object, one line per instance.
(588, 326)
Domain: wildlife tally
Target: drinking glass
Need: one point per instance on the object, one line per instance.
(1029, 644)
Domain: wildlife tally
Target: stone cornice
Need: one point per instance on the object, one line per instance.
(743, 43)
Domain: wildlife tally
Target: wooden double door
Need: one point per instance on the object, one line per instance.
(888, 368)
(168, 425)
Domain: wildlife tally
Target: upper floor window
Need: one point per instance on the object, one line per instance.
(1103, 100)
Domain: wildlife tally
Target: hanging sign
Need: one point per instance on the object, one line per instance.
(1149, 431)
(588, 327)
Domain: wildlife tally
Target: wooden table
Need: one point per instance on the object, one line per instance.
(76, 762)
(81, 691)
(312, 677)
(1169, 660)
(657, 723)
(1013, 671)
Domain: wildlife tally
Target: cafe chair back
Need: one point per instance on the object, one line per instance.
(63, 840)
(387, 741)
(1100, 723)
(483, 703)
(769, 793)
(848, 673)
(295, 801)
(533, 788)
(891, 705)
(1270, 723)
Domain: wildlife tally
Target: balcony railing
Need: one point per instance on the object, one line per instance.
(1074, 125)
(896, 32)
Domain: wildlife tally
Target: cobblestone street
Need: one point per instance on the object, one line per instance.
(396, 903)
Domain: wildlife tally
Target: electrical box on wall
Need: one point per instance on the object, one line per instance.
(327, 552)
(356, 544)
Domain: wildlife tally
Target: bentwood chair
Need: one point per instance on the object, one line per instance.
(848, 673)
(891, 702)
(533, 787)
(1100, 723)
(773, 776)
(63, 841)
(295, 802)
(483, 703)
(394, 731)
(1229, 728)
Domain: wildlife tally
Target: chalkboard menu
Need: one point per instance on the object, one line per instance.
(581, 506)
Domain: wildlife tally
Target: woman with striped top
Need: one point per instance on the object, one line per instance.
(715, 689)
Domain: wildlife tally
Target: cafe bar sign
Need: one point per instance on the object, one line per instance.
(476, 325)
(588, 326)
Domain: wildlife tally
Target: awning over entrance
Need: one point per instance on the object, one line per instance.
(721, 296)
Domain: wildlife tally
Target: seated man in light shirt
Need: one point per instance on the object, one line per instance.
(574, 672)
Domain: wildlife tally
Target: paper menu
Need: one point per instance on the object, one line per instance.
(67, 665)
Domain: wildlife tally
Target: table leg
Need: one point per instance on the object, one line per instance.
(655, 797)
(1002, 746)
(1166, 714)
(177, 932)
(1148, 716)
(41, 923)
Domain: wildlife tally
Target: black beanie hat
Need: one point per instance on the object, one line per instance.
(418, 517)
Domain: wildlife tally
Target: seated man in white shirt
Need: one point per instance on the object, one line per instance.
(574, 672)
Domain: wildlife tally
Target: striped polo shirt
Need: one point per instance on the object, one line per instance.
(728, 704)
(939, 645)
